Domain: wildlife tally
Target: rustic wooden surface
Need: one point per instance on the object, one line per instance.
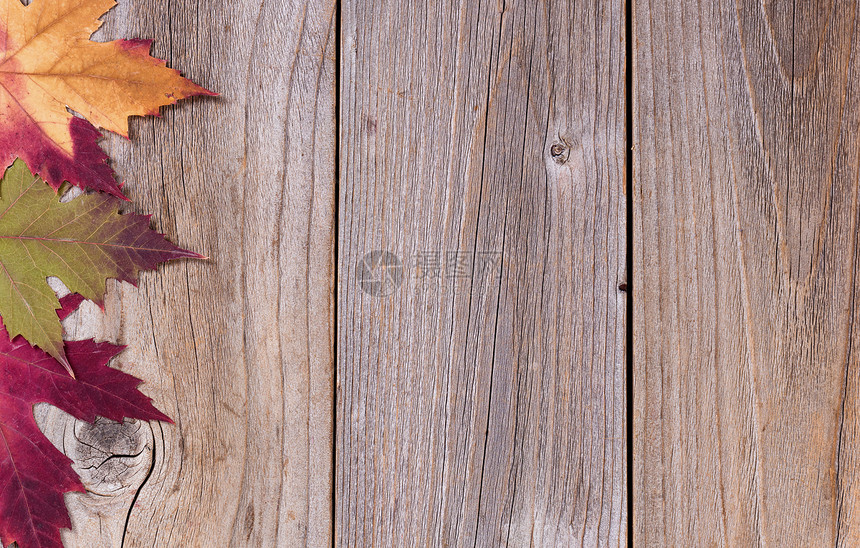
(237, 349)
(481, 387)
(481, 365)
(745, 259)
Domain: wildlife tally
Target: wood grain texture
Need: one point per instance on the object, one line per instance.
(237, 349)
(745, 258)
(481, 364)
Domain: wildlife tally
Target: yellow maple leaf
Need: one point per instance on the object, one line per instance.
(49, 65)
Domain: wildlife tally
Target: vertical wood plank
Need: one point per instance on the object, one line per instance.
(237, 349)
(481, 325)
(745, 244)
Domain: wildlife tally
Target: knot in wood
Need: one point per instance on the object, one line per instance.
(559, 153)
(111, 457)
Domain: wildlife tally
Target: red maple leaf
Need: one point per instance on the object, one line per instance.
(34, 475)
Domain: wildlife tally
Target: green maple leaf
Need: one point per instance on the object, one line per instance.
(82, 242)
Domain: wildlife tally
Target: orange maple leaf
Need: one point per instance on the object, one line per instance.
(49, 65)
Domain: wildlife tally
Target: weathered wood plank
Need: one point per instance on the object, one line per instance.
(237, 349)
(481, 364)
(745, 224)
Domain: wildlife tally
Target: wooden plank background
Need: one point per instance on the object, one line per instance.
(745, 262)
(481, 362)
(237, 349)
(427, 198)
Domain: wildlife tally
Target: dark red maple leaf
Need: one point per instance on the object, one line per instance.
(34, 475)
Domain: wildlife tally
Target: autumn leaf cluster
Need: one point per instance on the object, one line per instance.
(58, 90)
